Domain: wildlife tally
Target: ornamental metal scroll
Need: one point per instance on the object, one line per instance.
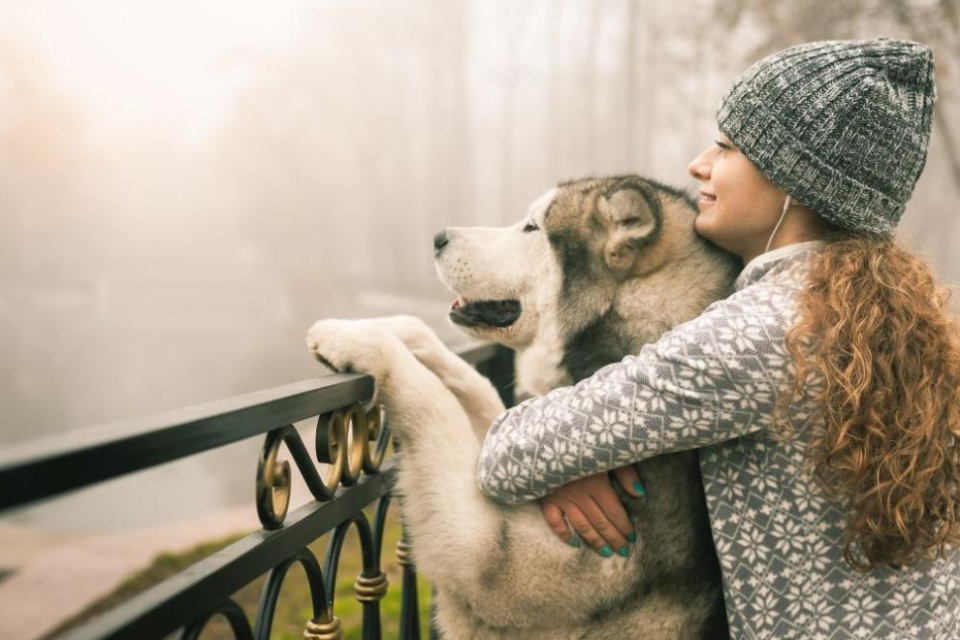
(351, 440)
(323, 625)
(234, 615)
(371, 585)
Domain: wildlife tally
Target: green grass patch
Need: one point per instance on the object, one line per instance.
(294, 604)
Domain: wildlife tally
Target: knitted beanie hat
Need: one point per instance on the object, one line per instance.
(841, 125)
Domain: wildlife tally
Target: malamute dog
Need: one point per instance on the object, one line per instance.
(596, 269)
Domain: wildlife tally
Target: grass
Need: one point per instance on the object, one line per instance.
(293, 607)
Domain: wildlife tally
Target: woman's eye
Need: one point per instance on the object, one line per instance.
(723, 146)
(530, 227)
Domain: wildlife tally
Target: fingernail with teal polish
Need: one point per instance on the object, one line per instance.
(575, 542)
(631, 537)
(639, 488)
(624, 551)
(606, 551)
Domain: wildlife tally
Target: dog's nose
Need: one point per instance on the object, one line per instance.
(439, 242)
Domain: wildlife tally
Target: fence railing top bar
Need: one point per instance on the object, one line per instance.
(200, 414)
(42, 469)
(187, 595)
(50, 466)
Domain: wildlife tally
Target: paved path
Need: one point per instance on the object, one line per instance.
(59, 575)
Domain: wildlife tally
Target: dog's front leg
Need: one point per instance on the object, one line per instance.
(504, 563)
(440, 451)
(473, 390)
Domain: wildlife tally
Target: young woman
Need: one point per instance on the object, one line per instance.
(824, 394)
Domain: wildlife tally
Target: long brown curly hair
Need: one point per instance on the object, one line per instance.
(877, 337)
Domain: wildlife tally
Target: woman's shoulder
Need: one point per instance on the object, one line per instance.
(770, 292)
(753, 320)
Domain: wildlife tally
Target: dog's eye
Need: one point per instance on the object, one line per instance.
(530, 227)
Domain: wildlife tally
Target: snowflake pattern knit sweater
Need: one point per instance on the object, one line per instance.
(710, 384)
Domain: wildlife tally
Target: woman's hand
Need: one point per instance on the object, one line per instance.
(594, 511)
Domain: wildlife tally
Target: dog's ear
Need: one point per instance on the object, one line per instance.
(631, 213)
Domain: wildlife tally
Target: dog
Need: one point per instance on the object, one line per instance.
(596, 269)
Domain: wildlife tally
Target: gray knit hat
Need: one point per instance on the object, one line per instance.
(840, 125)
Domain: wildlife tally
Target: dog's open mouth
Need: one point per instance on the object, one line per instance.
(485, 313)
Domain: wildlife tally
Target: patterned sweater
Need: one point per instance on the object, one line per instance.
(710, 384)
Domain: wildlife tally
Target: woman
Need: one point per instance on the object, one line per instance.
(823, 393)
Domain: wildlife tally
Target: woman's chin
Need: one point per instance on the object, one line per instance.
(701, 224)
(708, 231)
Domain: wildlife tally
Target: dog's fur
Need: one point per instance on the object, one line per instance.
(597, 269)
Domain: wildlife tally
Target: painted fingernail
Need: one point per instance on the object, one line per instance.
(639, 488)
(624, 551)
(575, 542)
(631, 537)
(606, 551)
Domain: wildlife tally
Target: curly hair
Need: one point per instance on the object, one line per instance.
(876, 338)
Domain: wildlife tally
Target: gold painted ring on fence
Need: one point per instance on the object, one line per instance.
(332, 447)
(370, 588)
(404, 552)
(356, 443)
(329, 630)
(273, 482)
(372, 455)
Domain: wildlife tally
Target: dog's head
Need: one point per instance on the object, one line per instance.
(561, 266)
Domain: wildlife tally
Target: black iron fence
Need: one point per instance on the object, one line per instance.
(351, 438)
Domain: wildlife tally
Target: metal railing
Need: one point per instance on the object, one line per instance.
(351, 439)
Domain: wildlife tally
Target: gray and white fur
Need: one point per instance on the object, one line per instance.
(597, 268)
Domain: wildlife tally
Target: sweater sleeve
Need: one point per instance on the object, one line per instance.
(705, 381)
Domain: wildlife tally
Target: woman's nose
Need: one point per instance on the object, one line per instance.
(699, 167)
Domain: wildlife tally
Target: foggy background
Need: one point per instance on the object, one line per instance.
(185, 187)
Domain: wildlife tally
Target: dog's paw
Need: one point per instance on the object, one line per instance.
(349, 346)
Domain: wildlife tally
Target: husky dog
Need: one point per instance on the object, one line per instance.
(598, 268)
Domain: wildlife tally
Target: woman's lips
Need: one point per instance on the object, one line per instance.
(705, 201)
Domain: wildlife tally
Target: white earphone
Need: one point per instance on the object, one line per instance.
(786, 205)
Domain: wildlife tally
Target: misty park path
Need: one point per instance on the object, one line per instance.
(58, 575)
